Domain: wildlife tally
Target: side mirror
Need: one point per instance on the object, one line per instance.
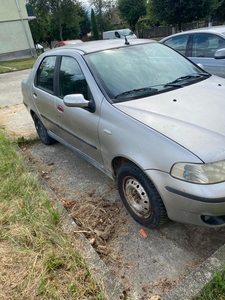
(77, 100)
(201, 66)
(220, 54)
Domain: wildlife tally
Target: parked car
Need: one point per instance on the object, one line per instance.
(39, 47)
(200, 45)
(118, 34)
(144, 115)
(67, 43)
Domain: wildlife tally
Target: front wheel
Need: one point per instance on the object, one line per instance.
(140, 197)
(42, 132)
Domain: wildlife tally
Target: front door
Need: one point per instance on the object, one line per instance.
(78, 126)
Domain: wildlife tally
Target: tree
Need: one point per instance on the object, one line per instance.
(84, 23)
(179, 11)
(60, 16)
(94, 26)
(217, 10)
(101, 9)
(132, 10)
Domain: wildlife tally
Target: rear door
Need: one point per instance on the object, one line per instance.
(43, 93)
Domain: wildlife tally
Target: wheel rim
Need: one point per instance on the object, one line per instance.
(137, 197)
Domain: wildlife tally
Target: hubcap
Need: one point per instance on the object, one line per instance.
(137, 197)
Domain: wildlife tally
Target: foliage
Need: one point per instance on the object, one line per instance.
(131, 11)
(217, 11)
(85, 24)
(59, 20)
(102, 9)
(94, 26)
(179, 11)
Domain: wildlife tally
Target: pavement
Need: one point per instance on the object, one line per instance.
(173, 262)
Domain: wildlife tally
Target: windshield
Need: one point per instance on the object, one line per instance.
(137, 71)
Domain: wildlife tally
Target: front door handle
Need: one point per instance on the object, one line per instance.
(60, 108)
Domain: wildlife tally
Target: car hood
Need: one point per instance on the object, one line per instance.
(192, 116)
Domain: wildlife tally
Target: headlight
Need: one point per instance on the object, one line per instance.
(200, 173)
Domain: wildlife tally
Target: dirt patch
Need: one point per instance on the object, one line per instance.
(10, 119)
(100, 220)
(157, 289)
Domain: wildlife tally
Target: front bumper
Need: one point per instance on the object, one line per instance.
(191, 203)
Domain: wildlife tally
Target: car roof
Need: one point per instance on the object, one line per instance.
(95, 46)
(212, 29)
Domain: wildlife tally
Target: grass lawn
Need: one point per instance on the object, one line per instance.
(215, 290)
(37, 259)
(15, 65)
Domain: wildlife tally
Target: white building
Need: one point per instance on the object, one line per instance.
(15, 36)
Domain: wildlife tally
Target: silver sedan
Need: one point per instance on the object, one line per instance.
(144, 115)
(201, 46)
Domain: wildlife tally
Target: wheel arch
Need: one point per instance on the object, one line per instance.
(118, 161)
(32, 113)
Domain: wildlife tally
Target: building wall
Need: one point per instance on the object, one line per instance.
(15, 36)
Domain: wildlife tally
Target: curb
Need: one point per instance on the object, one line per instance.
(192, 284)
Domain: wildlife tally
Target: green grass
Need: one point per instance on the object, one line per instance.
(215, 290)
(15, 65)
(37, 259)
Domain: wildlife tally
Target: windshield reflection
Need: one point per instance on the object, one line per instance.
(135, 71)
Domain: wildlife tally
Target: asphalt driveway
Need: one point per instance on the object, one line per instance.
(173, 262)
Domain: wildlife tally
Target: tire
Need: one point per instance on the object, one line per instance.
(42, 132)
(140, 197)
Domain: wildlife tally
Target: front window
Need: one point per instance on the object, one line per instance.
(206, 44)
(71, 79)
(141, 70)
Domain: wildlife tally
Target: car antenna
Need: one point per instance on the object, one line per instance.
(126, 41)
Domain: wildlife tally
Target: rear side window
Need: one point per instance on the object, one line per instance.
(45, 74)
(179, 43)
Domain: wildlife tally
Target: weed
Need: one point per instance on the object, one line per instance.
(215, 290)
(22, 141)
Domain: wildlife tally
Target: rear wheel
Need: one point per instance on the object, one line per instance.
(42, 132)
(140, 197)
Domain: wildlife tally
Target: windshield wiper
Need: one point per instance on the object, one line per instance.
(134, 91)
(194, 76)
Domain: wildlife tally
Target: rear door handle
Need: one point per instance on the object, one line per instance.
(35, 95)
